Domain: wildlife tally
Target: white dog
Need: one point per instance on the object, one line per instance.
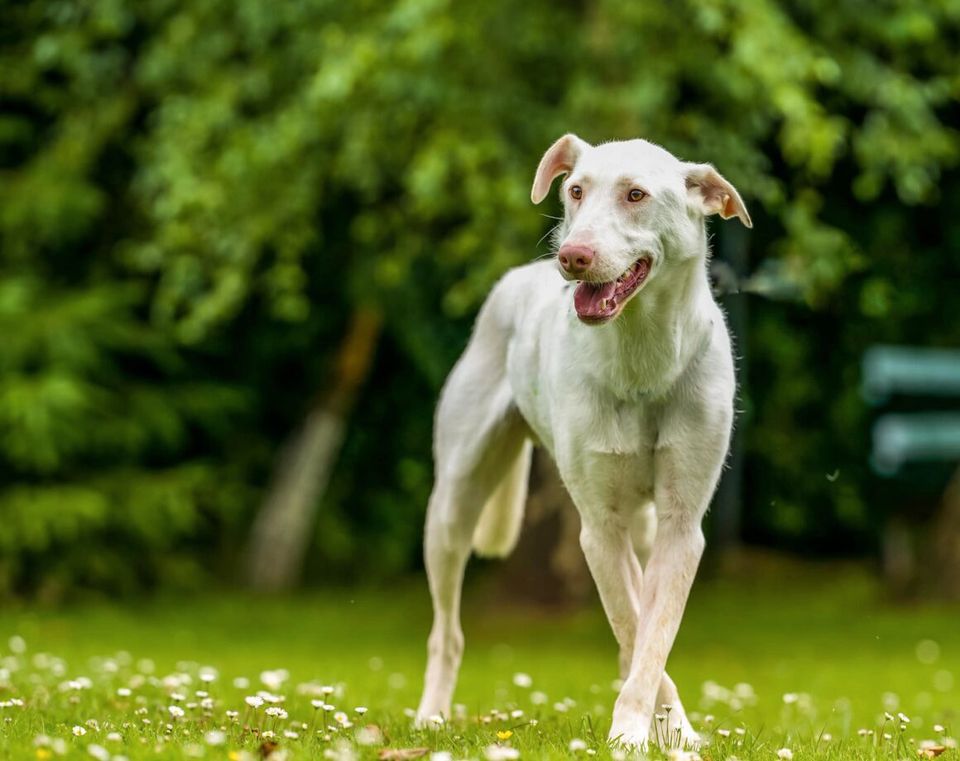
(620, 365)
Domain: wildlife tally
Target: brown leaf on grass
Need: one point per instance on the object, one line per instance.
(371, 734)
(267, 747)
(931, 751)
(400, 754)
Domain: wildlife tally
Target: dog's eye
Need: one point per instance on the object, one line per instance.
(636, 195)
(576, 192)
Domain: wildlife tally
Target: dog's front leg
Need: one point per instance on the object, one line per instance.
(608, 549)
(682, 492)
(669, 576)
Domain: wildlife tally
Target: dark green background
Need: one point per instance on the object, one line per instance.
(196, 196)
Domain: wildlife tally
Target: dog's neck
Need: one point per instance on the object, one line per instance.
(663, 328)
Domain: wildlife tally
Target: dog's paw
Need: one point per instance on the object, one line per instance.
(685, 740)
(630, 737)
(429, 720)
(690, 740)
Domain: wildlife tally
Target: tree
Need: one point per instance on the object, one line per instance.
(197, 197)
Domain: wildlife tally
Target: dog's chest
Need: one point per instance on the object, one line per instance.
(607, 452)
(620, 428)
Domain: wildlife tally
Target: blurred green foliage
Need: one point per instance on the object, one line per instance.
(194, 195)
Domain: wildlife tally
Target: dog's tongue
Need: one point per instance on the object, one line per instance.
(593, 300)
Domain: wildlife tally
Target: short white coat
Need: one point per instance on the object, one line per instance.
(637, 413)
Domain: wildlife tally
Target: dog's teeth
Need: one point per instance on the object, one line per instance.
(603, 304)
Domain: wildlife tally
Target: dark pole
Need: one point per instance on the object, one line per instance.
(728, 502)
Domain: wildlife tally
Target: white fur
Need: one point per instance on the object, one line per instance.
(500, 521)
(636, 412)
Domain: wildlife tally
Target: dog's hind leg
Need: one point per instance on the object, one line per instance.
(481, 440)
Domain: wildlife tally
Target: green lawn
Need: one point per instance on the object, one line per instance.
(823, 638)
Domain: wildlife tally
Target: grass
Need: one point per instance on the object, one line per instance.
(804, 662)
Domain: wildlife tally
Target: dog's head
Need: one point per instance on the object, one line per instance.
(632, 211)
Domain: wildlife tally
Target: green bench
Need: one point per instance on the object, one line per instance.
(900, 438)
(916, 448)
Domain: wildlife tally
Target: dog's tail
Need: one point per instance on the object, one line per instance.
(497, 532)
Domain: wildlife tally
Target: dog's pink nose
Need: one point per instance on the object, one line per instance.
(575, 259)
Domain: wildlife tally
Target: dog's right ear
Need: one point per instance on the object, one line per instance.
(559, 159)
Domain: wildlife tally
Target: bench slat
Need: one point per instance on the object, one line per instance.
(889, 370)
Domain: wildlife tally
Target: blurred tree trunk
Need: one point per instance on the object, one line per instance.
(281, 531)
(946, 541)
(898, 557)
(727, 510)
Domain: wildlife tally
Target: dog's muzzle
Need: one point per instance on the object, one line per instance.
(600, 302)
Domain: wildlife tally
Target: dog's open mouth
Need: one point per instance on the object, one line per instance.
(600, 302)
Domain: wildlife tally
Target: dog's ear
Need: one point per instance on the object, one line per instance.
(559, 159)
(708, 189)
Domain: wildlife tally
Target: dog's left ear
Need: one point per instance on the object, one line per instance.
(559, 159)
(710, 190)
